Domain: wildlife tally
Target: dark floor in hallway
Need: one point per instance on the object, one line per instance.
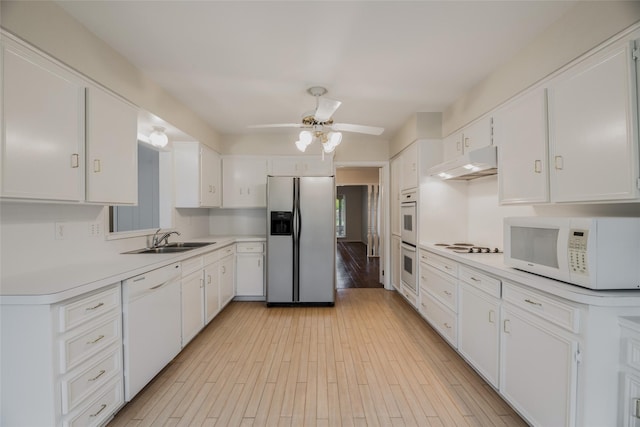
(354, 269)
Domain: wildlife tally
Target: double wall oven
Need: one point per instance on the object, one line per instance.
(409, 236)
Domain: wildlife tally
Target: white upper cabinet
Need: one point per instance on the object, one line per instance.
(63, 139)
(301, 166)
(409, 172)
(197, 175)
(452, 146)
(112, 149)
(43, 133)
(394, 195)
(477, 135)
(244, 182)
(520, 133)
(593, 139)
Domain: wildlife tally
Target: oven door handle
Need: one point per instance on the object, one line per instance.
(408, 247)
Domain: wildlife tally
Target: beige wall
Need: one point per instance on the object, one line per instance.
(585, 26)
(48, 27)
(418, 126)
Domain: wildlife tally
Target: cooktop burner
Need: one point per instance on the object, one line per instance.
(463, 244)
(457, 248)
(468, 248)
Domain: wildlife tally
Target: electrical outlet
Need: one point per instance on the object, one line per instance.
(60, 230)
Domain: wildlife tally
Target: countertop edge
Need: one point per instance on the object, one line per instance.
(574, 293)
(133, 265)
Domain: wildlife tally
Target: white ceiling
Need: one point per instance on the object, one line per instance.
(240, 63)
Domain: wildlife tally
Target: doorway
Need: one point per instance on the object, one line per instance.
(358, 224)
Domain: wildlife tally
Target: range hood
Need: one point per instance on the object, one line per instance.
(474, 164)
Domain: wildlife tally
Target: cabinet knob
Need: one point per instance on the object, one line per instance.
(466, 142)
(96, 166)
(636, 408)
(506, 326)
(492, 316)
(75, 161)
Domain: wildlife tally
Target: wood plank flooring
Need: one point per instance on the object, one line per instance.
(369, 361)
(354, 269)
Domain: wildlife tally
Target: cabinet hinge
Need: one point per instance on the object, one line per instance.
(491, 129)
(578, 356)
(638, 183)
(635, 53)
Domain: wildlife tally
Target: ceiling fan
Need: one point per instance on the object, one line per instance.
(319, 125)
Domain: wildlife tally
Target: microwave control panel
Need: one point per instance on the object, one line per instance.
(578, 251)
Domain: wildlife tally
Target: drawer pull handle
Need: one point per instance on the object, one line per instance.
(492, 316)
(447, 293)
(96, 340)
(139, 279)
(506, 326)
(94, 307)
(636, 412)
(446, 325)
(101, 373)
(447, 267)
(476, 280)
(533, 302)
(102, 408)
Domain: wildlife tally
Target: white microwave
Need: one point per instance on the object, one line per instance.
(595, 253)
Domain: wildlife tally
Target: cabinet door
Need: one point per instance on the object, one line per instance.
(395, 262)
(212, 290)
(394, 196)
(227, 280)
(409, 171)
(244, 182)
(592, 136)
(538, 373)
(479, 331)
(477, 135)
(317, 166)
(192, 306)
(630, 396)
(250, 275)
(520, 132)
(43, 136)
(285, 166)
(112, 149)
(209, 177)
(452, 146)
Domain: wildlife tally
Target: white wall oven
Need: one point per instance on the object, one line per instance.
(408, 213)
(409, 264)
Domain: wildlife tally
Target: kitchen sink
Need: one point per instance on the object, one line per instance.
(176, 247)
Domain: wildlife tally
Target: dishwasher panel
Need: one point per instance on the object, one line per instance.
(152, 325)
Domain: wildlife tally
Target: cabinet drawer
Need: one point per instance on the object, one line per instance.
(211, 257)
(440, 317)
(442, 286)
(109, 401)
(479, 280)
(88, 378)
(81, 311)
(409, 295)
(249, 247)
(192, 264)
(631, 353)
(227, 250)
(80, 346)
(552, 310)
(441, 263)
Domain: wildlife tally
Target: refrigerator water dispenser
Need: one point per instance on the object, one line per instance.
(281, 223)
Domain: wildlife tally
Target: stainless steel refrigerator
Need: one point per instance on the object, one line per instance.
(301, 240)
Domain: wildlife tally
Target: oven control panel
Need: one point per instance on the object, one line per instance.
(578, 251)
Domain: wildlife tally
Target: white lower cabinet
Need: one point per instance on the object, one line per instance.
(538, 369)
(227, 275)
(250, 271)
(479, 331)
(65, 367)
(192, 297)
(395, 262)
(211, 285)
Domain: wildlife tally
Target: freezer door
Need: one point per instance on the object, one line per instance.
(317, 239)
(279, 247)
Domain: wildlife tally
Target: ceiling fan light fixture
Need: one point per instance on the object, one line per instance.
(301, 145)
(305, 137)
(158, 138)
(335, 138)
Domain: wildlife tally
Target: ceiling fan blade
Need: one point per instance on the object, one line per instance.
(346, 127)
(277, 125)
(326, 108)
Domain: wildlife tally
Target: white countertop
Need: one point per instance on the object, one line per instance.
(66, 281)
(493, 263)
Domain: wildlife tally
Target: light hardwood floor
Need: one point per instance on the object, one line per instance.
(370, 360)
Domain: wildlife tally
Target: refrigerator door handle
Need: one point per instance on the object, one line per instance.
(296, 239)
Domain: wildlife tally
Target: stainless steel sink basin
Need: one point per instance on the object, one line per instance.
(171, 248)
(188, 244)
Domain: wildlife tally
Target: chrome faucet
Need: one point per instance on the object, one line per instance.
(157, 241)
